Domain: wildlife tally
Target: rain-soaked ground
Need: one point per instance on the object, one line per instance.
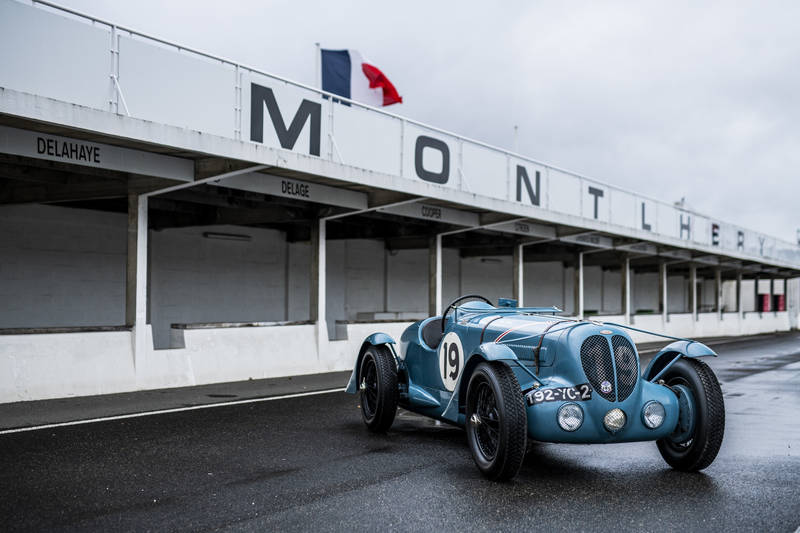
(308, 464)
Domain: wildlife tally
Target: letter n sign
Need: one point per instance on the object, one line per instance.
(307, 112)
(523, 179)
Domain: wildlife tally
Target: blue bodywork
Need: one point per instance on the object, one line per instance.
(515, 336)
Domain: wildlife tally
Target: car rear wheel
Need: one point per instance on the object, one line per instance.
(696, 440)
(497, 428)
(378, 388)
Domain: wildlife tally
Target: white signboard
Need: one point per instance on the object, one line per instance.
(299, 190)
(79, 152)
(435, 213)
(178, 87)
(595, 241)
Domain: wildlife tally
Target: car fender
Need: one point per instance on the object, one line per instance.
(488, 351)
(668, 355)
(376, 339)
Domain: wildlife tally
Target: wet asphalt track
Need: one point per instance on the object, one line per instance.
(308, 464)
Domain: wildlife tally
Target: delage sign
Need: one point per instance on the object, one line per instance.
(297, 119)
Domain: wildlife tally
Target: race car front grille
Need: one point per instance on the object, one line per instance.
(627, 367)
(597, 365)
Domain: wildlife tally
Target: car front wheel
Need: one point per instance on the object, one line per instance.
(497, 427)
(378, 388)
(701, 424)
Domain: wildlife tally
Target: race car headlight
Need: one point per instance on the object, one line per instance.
(570, 416)
(614, 420)
(653, 414)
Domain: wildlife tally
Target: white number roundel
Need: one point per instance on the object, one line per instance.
(451, 360)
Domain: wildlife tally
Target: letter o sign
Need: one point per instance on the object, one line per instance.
(432, 176)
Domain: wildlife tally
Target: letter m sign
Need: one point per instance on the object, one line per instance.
(307, 112)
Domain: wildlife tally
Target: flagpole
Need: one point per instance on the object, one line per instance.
(516, 138)
(317, 69)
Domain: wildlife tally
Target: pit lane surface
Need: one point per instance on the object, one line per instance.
(308, 464)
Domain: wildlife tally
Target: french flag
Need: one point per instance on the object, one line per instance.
(346, 73)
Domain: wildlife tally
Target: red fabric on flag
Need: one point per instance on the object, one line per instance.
(378, 79)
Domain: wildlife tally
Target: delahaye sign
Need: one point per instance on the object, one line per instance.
(310, 123)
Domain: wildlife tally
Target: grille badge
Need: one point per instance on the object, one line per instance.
(605, 387)
(606, 332)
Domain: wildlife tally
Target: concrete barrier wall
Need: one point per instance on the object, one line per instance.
(55, 365)
(34, 367)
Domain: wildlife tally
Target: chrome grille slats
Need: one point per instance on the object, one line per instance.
(627, 366)
(597, 365)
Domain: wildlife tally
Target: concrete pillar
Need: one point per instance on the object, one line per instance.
(317, 288)
(578, 294)
(287, 267)
(518, 276)
(785, 294)
(739, 295)
(718, 292)
(140, 275)
(755, 295)
(772, 294)
(626, 289)
(693, 291)
(663, 300)
(385, 278)
(435, 276)
(130, 267)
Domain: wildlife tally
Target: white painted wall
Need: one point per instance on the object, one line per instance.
(66, 267)
(612, 291)
(196, 279)
(544, 284)
(407, 271)
(677, 294)
(452, 273)
(793, 301)
(488, 276)
(61, 267)
(748, 295)
(299, 267)
(644, 297)
(593, 289)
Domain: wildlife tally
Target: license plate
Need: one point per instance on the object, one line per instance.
(578, 393)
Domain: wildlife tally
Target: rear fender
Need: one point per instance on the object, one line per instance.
(376, 339)
(670, 354)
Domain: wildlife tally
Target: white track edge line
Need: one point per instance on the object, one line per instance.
(166, 411)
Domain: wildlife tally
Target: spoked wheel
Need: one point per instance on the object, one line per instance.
(378, 387)
(701, 424)
(497, 428)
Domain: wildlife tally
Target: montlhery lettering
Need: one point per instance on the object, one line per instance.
(263, 101)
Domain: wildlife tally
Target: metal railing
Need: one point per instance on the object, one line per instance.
(783, 250)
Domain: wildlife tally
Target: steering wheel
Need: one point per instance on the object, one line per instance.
(459, 299)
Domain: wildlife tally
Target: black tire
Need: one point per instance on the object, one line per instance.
(497, 439)
(699, 449)
(378, 388)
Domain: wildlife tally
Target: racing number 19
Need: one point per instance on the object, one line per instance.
(451, 359)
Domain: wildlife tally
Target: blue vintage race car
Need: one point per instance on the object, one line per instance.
(508, 374)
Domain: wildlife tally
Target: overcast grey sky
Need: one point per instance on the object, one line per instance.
(670, 99)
